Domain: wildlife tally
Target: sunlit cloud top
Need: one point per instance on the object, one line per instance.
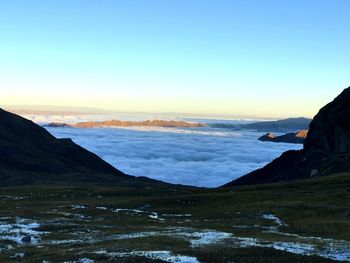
(263, 58)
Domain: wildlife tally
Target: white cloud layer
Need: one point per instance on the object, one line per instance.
(201, 157)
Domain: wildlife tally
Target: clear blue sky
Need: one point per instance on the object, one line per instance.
(266, 58)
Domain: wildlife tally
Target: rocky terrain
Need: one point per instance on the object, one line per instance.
(326, 148)
(294, 137)
(30, 154)
(118, 123)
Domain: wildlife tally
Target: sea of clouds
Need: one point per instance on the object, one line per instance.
(205, 157)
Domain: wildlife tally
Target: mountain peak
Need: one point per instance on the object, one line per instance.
(330, 129)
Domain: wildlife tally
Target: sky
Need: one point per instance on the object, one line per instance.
(266, 58)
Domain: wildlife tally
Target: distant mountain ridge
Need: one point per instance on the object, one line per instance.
(326, 149)
(285, 125)
(119, 123)
(280, 126)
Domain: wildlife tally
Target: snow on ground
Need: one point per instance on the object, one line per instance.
(22, 231)
(274, 218)
(166, 256)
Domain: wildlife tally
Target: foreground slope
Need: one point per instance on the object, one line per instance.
(326, 148)
(30, 154)
(300, 221)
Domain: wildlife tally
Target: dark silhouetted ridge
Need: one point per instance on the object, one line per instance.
(30, 154)
(326, 148)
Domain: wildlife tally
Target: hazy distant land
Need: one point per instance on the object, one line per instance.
(285, 125)
(119, 123)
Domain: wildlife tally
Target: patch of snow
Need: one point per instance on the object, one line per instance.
(101, 207)
(166, 256)
(269, 216)
(6, 247)
(23, 228)
(196, 238)
(65, 214)
(13, 197)
(55, 211)
(205, 238)
(117, 210)
(177, 215)
(153, 215)
(78, 206)
(85, 260)
(338, 250)
(18, 255)
(135, 235)
(64, 242)
(5, 218)
(265, 229)
(80, 260)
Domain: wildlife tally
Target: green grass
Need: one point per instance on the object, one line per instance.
(318, 207)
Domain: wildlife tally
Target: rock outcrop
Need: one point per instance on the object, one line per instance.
(294, 137)
(330, 129)
(57, 125)
(268, 137)
(326, 149)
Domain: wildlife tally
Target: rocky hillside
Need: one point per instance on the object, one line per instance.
(330, 129)
(326, 148)
(30, 154)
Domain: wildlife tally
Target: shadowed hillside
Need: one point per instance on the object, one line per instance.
(326, 148)
(30, 154)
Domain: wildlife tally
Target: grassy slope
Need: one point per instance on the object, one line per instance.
(314, 207)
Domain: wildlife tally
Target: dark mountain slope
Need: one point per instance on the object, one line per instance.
(330, 129)
(326, 148)
(30, 154)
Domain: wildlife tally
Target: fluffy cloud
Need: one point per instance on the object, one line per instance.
(202, 157)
